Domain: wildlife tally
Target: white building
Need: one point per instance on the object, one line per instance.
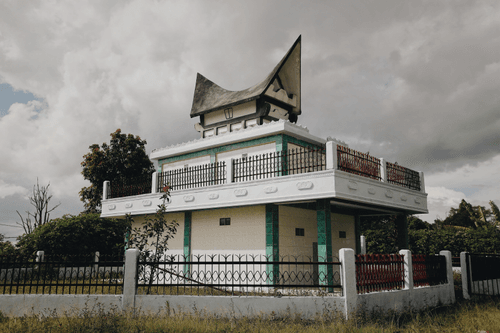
(257, 183)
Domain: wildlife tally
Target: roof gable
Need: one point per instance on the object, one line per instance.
(208, 96)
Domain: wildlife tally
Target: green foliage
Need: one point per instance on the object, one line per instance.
(6, 247)
(381, 234)
(76, 235)
(124, 158)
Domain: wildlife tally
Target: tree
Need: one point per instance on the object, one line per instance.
(6, 247)
(40, 200)
(151, 239)
(76, 235)
(123, 159)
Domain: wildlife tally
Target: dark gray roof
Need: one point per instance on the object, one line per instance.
(208, 96)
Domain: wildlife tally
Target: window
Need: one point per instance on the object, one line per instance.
(342, 234)
(225, 221)
(299, 232)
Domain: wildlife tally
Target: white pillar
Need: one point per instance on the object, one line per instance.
(348, 272)
(383, 170)
(408, 269)
(465, 275)
(331, 155)
(449, 273)
(422, 183)
(154, 182)
(229, 171)
(130, 279)
(105, 189)
(362, 241)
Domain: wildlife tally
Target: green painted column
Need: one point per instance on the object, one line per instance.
(357, 233)
(402, 228)
(272, 242)
(324, 221)
(187, 241)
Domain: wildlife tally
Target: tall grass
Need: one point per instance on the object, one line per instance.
(465, 316)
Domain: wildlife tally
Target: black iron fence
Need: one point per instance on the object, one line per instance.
(238, 275)
(483, 273)
(275, 164)
(429, 270)
(61, 275)
(377, 272)
(129, 186)
(193, 177)
(402, 176)
(352, 161)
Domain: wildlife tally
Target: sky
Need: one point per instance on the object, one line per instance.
(414, 82)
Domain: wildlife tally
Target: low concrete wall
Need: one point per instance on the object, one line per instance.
(401, 300)
(20, 305)
(234, 306)
(303, 306)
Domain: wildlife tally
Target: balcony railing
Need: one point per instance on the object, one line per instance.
(292, 162)
(193, 177)
(270, 165)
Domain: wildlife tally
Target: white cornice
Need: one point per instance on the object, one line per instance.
(272, 128)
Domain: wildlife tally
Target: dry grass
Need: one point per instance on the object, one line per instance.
(465, 316)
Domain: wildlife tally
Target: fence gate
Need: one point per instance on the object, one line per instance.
(483, 273)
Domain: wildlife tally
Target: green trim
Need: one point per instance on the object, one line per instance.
(221, 149)
(272, 241)
(357, 233)
(187, 240)
(324, 221)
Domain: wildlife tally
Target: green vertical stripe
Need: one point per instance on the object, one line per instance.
(272, 241)
(187, 240)
(323, 217)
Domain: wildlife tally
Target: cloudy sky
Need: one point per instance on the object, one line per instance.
(415, 82)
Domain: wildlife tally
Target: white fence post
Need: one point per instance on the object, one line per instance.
(383, 170)
(408, 269)
(96, 261)
(154, 182)
(130, 279)
(348, 272)
(465, 275)
(105, 189)
(449, 273)
(40, 256)
(331, 155)
(362, 240)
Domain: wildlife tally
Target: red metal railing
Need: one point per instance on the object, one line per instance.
(428, 270)
(376, 272)
(352, 161)
(398, 175)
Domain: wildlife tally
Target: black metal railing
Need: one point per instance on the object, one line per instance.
(275, 164)
(352, 161)
(60, 275)
(377, 272)
(238, 275)
(429, 270)
(129, 186)
(402, 176)
(483, 272)
(193, 177)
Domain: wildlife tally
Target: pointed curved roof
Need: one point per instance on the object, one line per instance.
(208, 96)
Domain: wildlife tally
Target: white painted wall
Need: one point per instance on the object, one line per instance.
(238, 111)
(175, 245)
(291, 218)
(189, 161)
(245, 235)
(251, 151)
(342, 223)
